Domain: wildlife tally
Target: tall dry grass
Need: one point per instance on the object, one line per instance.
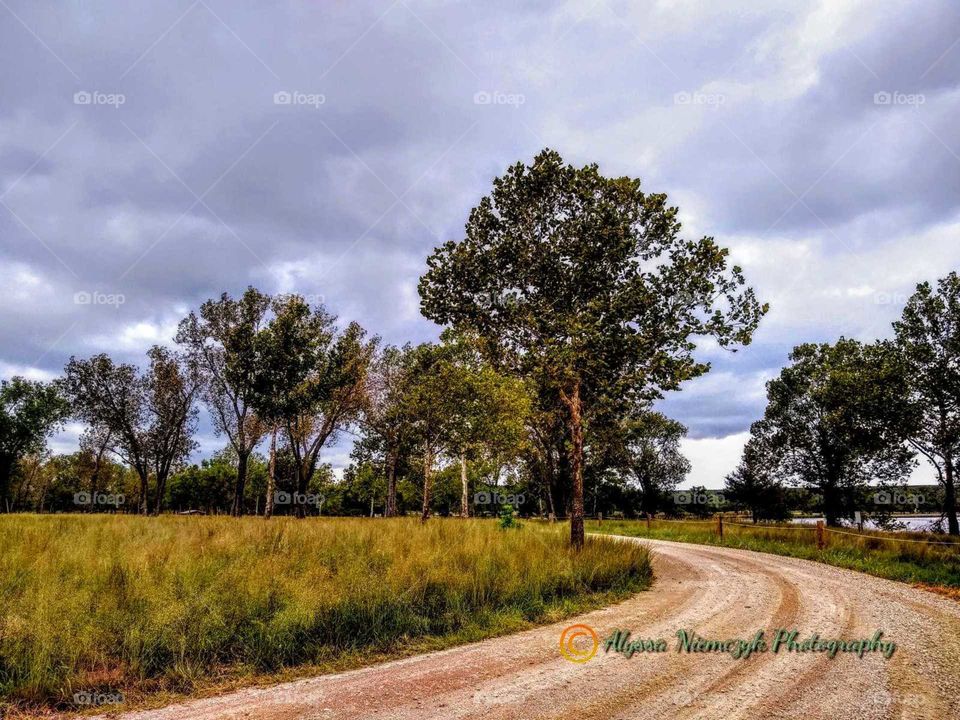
(100, 602)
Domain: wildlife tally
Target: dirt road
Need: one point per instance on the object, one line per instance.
(717, 592)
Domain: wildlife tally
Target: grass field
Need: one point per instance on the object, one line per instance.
(147, 606)
(889, 555)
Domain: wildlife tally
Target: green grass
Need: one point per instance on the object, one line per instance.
(170, 604)
(886, 555)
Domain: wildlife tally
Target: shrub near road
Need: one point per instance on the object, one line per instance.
(121, 604)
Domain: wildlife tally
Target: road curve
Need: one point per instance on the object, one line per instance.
(719, 593)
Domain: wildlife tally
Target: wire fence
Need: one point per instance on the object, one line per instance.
(820, 530)
(773, 527)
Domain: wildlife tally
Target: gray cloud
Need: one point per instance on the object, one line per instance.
(760, 122)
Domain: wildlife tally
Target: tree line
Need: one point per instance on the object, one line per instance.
(569, 307)
(847, 415)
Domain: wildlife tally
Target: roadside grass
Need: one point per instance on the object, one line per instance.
(887, 555)
(161, 607)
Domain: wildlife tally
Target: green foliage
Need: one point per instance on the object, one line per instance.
(221, 340)
(583, 284)
(384, 439)
(29, 413)
(754, 486)
(507, 519)
(646, 446)
(310, 378)
(147, 418)
(928, 343)
(835, 420)
(560, 271)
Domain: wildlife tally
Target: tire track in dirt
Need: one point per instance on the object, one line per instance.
(718, 592)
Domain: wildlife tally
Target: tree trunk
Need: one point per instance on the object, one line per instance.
(303, 480)
(550, 506)
(237, 509)
(564, 477)
(950, 496)
(427, 462)
(271, 476)
(646, 494)
(144, 488)
(572, 401)
(465, 490)
(95, 478)
(6, 474)
(391, 508)
(161, 488)
(830, 505)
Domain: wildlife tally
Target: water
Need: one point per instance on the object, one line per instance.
(913, 523)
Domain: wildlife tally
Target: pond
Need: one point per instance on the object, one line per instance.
(914, 523)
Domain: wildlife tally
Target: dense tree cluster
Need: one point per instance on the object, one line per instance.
(584, 285)
(570, 306)
(844, 417)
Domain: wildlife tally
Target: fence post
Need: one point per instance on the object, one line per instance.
(553, 518)
(599, 518)
(720, 526)
(821, 536)
(648, 521)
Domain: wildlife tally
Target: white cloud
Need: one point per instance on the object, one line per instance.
(711, 459)
(9, 370)
(137, 337)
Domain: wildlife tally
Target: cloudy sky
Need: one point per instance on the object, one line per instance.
(155, 155)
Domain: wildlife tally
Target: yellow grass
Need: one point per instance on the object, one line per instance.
(111, 603)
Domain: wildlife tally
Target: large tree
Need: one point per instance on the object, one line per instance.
(583, 281)
(649, 452)
(174, 384)
(836, 419)
(754, 485)
(430, 408)
(310, 378)
(94, 446)
(29, 413)
(221, 341)
(149, 417)
(544, 453)
(382, 421)
(928, 341)
(489, 411)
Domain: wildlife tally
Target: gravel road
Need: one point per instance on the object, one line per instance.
(717, 592)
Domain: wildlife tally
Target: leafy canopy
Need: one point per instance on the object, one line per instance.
(583, 278)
